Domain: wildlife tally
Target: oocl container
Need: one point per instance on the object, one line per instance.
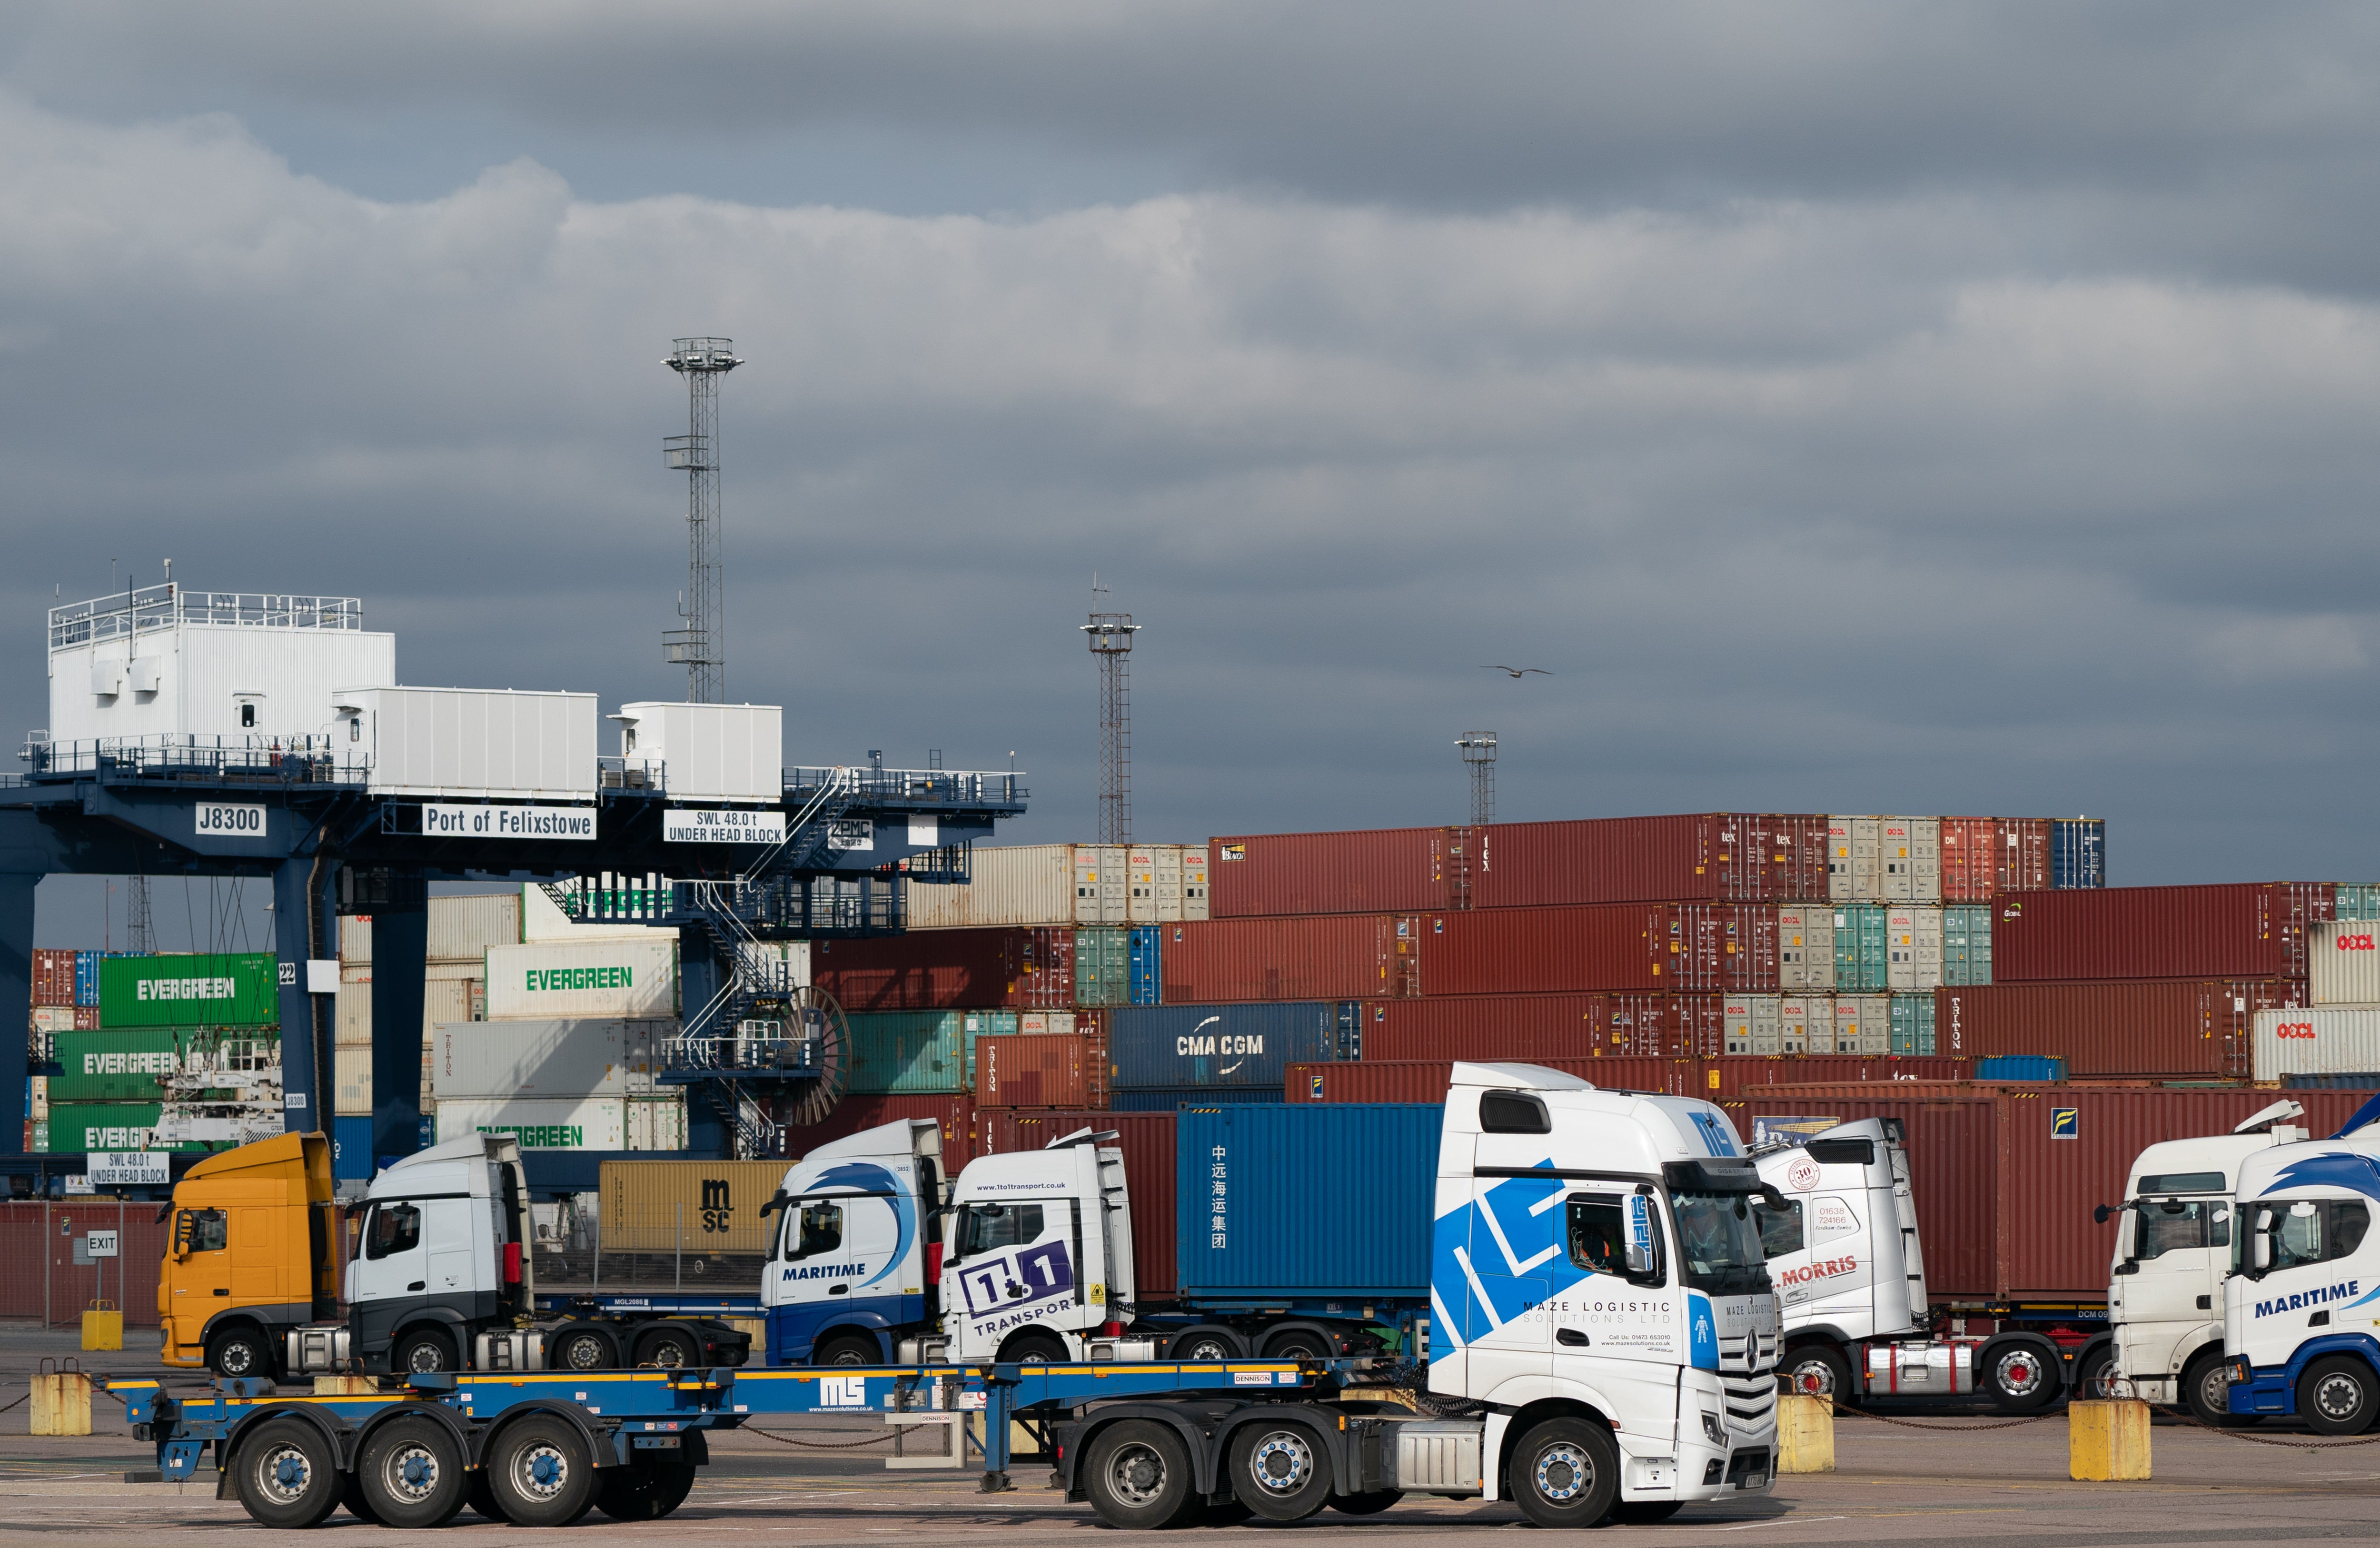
(662, 1206)
(241, 989)
(2318, 1039)
(1146, 1140)
(1200, 1046)
(580, 979)
(2343, 965)
(1909, 859)
(1751, 1024)
(1805, 946)
(2141, 1027)
(1913, 947)
(1863, 1024)
(2242, 929)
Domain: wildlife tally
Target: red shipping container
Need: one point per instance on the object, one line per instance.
(1709, 857)
(1324, 956)
(1370, 870)
(2138, 1027)
(950, 970)
(1742, 1075)
(2023, 854)
(1146, 1140)
(53, 975)
(1971, 859)
(2242, 929)
(1534, 1028)
(1426, 1079)
(1716, 947)
(955, 1115)
(1037, 1069)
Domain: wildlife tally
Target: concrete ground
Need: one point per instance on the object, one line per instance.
(1963, 1482)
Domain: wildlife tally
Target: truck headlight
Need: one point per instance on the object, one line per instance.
(2239, 1371)
(1713, 1430)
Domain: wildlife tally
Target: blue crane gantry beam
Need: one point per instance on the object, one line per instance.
(304, 825)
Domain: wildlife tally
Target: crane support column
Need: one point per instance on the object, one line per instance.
(304, 929)
(400, 936)
(16, 996)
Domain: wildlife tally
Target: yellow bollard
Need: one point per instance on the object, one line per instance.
(102, 1326)
(61, 1403)
(1805, 1434)
(2107, 1440)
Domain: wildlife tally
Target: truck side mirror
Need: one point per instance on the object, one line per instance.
(2099, 1215)
(1640, 1255)
(185, 1227)
(2260, 1252)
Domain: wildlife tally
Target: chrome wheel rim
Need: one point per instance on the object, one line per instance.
(1281, 1462)
(1563, 1472)
(540, 1472)
(1814, 1378)
(2018, 1374)
(583, 1353)
(284, 1474)
(410, 1474)
(1136, 1475)
(2338, 1394)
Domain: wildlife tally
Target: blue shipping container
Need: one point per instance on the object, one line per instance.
(1165, 1098)
(1329, 1200)
(2077, 852)
(87, 976)
(1147, 959)
(2367, 1082)
(351, 1149)
(1224, 1045)
(2022, 1066)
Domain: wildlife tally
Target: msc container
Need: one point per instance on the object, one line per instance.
(1168, 1099)
(1970, 859)
(2143, 1027)
(1805, 946)
(1146, 1140)
(563, 1060)
(2343, 966)
(1018, 969)
(706, 752)
(920, 1053)
(1326, 956)
(1014, 885)
(351, 1151)
(1425, 1080)
(124, 1066)
(1102, 965)
(2316, 1039)
(2241, 930)
(1060, 1071)
(1377, 871)
(954, 1114)
(1364, 1175)
(190, 991)
(468, 742)
(1913, 947)
(1751, 1024)
(2077, 852)
(2025, 854)
(1862, 964)
(632, 979)
(1165, 1046)
(1966, 943)
(1912, 1018)
(2022, 1066)
(1863, 1024)
(587, 1122)
(663, 1206)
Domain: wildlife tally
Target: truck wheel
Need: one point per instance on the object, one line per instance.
(669, 1349)
(1281, 1471)
(2207, 1389)
(1644, 1513)
(412, 1473)
(1299, 1344)
(286, 1475)
(1034, 1347)
(1816, 1371)
(240, 1352)
(480, 1495)
(1137, 1475)
(2021, 1380)
(423, 1350)
(850, 1348)
(646, 1492)
(1206, 1343)
(1372, 1504)
(540, 1472)
(1566, 1473)
(582, 1350)
(2098, 1373)
(2335, 1396)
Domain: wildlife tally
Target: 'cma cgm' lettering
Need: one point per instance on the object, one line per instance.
(2295, 1028)
(580, 977)
(2354, 943)
(2310, 1298)
(1249, 1042)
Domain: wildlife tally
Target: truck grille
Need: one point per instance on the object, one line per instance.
(1750, 1355)
(1752, 1408)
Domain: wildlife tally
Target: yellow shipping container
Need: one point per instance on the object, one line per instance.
(694, 1206)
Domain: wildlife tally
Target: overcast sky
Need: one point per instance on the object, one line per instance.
(1855, 408)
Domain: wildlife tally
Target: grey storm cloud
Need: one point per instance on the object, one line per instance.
(1856, 407)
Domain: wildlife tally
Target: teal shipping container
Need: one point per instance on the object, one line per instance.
(2022, 1066)
(1913, 1024)
(2357, 902)
(920, 1053)
(1103, 966)
(1862, 962)
(1966, 944)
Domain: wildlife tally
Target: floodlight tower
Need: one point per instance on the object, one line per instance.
(139, 928)
(1479, 752)
(1111, 638)
(700, 639)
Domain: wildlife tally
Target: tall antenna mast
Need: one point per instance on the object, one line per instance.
(701, 641)
(1479, 753)
(1111, 638)
(139, 933)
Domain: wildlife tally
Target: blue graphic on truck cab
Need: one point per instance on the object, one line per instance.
(2357, 1174)
(880, 1183)
(1703, 1330)
(1718, 1136)
(1497, 1258)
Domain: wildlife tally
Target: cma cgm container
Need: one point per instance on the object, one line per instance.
(2344, 967)
(2318, 1039)
(240, 990)
(950, 970)
(2249, 929)
(2148, 1028)
(1146, 1140)
(1201, 1046)
(1340, 956)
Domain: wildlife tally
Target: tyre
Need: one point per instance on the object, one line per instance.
(1033, 1347)
(1816, 1371)
(358, 1504)
(480, 1495)
(1566, 1473)
(240, 1352)
(286, 1475)
(582, 1350)
(1299, 1344)
(847, 1348)
(411, 1471)
(1644, 1513)
(1206, 1343)
(2098, 1375)
(2338, 1395)
(644, 1492)
(2207, 1387)
(2020, 1379)
(1372, 1504)
(670, 1348)
(1137, 1475)
(420, 1349)
(539, 1473)
(1280, 1470)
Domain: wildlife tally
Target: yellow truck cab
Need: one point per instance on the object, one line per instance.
(253, 1254)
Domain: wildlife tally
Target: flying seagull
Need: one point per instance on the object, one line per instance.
(1517, 671)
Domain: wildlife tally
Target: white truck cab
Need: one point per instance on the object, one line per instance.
(1844, 1252)
(2302, 1315)
(440, 1259)
(858, 1250)
(1040, 1257)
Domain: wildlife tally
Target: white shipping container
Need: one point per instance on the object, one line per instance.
(2316, 1039)
(657, 1123)
(1750, 1024)
(1913, 947)
(594, 1123)
(541, 920)
(351, 1068)
(1909, 859)
(1805, 1024)
(1853, 874)
(2343, 965)
(1153, 884)
(442, 1000)
(460, 929)
(1805, 945)
(583, 978)
(1100, 889)
(1863, 1024)
(54, 1018)
(39, 1099)
(560, 1058)
(1012, 885)
(1194, 880)
(468, 742)
(707, 752)
(1030, 1023)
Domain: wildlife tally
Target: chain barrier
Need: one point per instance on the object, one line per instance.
(821, 1445)
(29, 1392)
(2187, 1417)
(1842, 1407)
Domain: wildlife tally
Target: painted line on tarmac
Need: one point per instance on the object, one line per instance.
(1780, 1521)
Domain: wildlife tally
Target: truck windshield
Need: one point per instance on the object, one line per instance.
(1719, 1243)
(2309, 1231)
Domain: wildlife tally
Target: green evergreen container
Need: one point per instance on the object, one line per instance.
(1102, 967)
(82, 1126)
(126, 1065)
(190, 991)
(1862, 963)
